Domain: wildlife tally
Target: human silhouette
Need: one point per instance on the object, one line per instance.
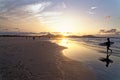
(107, 60)
(33, 38)
(108, 44)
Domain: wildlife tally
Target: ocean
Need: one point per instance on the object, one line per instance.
(94, 42)
(89, 52)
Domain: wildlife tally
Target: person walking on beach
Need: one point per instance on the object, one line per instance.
(108, 44)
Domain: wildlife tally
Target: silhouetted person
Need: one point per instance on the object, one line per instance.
(108, 44)
(107, 60)
(33, 38)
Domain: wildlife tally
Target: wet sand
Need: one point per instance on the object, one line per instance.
(22, 59)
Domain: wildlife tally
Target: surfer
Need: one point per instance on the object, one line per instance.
(108, 44)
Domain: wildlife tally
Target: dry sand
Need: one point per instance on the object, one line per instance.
(22, 59)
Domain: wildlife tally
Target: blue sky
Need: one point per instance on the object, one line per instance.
(45, 15)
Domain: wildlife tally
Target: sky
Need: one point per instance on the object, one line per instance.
(80, 16)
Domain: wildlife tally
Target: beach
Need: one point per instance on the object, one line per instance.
(59, 39)
(39, 59)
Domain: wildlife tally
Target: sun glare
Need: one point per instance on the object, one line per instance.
(63, 42)
(66, 33)
(64, 24)
(67, 24)
(65, 28)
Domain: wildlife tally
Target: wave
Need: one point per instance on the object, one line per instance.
(93, 43)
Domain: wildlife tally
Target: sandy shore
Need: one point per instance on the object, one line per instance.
(22, 59)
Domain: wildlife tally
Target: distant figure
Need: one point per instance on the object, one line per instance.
(33, 38)
(108, 44)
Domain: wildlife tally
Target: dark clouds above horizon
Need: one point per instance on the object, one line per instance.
(110, 31)
(22, 13)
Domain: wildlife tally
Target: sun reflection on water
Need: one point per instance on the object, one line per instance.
(76, 50)
(64, 42)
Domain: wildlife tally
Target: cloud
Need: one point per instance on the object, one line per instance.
(91, 11)
(93, 7)
(64, 5)
(111, 31)
(37, 8)
(107, 17)
(24, 12)
(60, 5)
(51, 13)
(14, 9)
(50, 18)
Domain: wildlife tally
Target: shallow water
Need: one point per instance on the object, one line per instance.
(88, 51)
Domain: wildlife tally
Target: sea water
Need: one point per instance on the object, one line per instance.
(88, 51)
